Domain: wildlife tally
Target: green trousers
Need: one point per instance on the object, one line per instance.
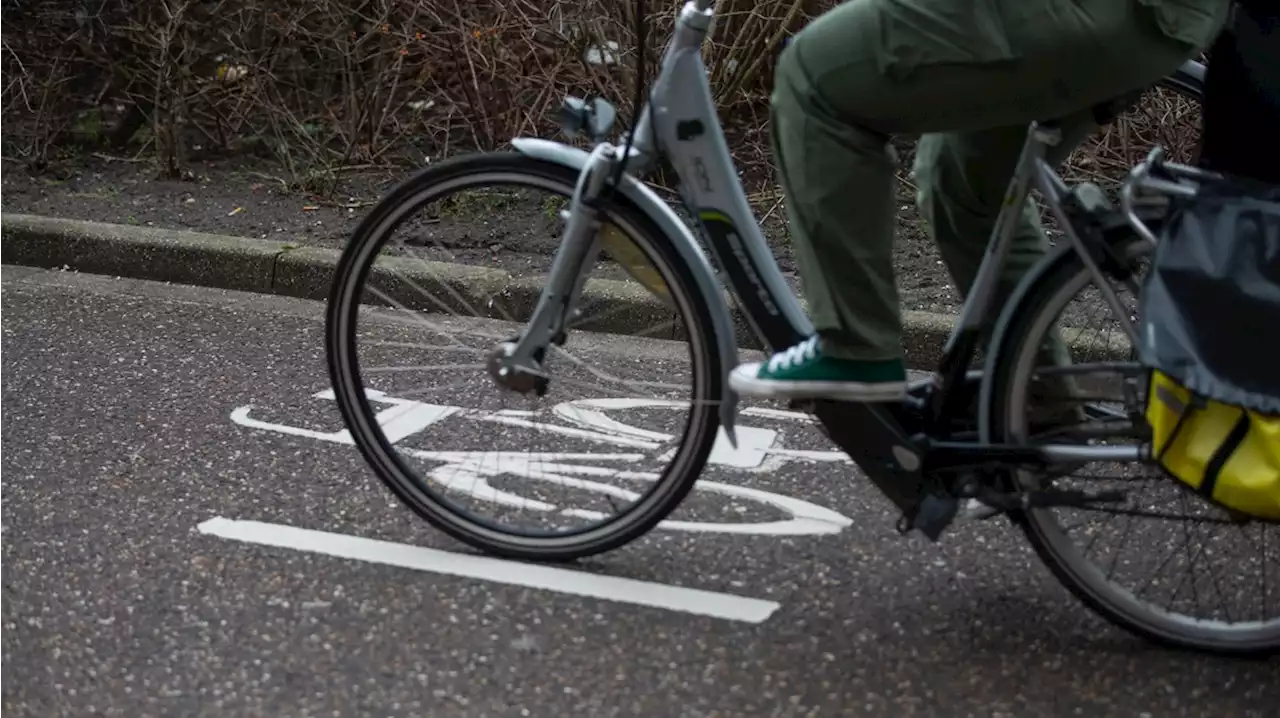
(968, 76)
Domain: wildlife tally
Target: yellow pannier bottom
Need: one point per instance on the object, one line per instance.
(1226, 453)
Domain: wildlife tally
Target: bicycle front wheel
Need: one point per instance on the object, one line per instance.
(625, 421)
(1162, 563)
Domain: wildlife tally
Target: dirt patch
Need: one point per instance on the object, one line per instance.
(239, 197)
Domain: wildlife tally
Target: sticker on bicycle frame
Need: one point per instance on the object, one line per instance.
(468, 472)
(723, 235)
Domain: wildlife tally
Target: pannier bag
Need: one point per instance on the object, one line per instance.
(1211, 305)
(1228, 454)
(1210, 327)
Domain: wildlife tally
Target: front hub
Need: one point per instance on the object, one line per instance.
(505, 372)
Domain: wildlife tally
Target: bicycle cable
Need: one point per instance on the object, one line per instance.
(637, 98)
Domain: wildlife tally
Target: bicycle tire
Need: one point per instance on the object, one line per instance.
(1015, 334)
(680, 474)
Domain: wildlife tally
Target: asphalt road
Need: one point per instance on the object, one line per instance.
(119, 442)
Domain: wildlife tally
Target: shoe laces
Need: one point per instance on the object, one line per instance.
(806, 350)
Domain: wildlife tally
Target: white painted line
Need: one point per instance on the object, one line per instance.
(578, 583)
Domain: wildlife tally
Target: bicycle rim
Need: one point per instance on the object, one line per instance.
(698, 432)
(1098, 585)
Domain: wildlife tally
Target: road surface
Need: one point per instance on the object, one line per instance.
(137, 502)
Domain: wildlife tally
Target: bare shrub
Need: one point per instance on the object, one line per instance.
(1163, 117)
(330, 86)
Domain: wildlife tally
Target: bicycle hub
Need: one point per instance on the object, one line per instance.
(511, 376)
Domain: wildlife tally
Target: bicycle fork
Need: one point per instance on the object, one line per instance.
(517, 364)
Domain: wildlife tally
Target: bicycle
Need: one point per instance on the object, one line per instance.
(960, 437)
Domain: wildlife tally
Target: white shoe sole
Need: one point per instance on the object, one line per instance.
(745, 381)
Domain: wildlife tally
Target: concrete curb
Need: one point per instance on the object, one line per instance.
(284, 269)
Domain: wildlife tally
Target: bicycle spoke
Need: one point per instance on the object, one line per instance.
(420, 368)
(415, 316)
(1128, 526)
(425, 347)
(1164, 557)
(500, 469)
(471, 311)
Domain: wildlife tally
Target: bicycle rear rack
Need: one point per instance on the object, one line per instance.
(1155, 174)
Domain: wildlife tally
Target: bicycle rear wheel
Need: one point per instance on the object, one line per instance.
(406, 330)
(1234, 567)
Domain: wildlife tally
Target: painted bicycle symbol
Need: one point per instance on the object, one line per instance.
(598, 421)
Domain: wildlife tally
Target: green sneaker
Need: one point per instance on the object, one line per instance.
(801, 372)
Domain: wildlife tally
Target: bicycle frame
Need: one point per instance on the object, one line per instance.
(899, 451)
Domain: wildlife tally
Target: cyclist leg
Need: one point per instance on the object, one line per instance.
(961, 178)
(869, 69)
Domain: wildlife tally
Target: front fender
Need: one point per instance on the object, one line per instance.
(647, 201)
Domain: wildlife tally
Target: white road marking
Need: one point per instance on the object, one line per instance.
(404, 418)
(570, 431)
(753, 446)
(759, 450)
(610, 588)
